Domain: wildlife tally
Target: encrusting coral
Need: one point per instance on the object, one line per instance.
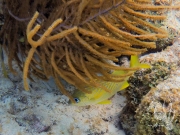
(158, 113)
(75, 39)
(139, 85)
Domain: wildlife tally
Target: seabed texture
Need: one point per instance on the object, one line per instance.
(44, 111)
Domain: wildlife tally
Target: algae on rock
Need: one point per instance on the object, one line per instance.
(159, 112)
(140, 84)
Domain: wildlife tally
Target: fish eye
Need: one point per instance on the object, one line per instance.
(76, 100)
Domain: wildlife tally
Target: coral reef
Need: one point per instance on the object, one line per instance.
(158, 113)
(137, 106)
(143, 80)
(140, 84)
(101, 31)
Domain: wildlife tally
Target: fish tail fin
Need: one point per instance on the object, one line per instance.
(124, 85)
(135, 62)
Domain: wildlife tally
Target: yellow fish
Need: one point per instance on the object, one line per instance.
(100, 96)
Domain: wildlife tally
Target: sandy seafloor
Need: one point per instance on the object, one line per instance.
(44, 111)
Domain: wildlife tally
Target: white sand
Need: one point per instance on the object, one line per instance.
(30, 113)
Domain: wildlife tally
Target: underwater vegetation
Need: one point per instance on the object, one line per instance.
(78, 40)
(100, 95)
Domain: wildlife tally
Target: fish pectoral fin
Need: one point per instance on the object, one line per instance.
(124, 85)
(105, 102)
